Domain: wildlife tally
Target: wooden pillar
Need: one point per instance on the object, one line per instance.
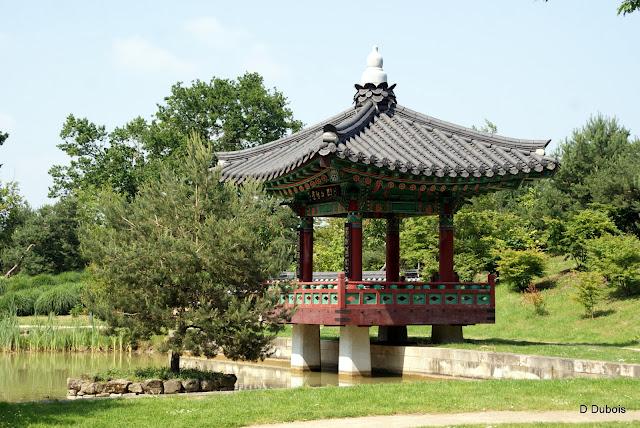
(306, 249)
(446, 272)
(354, 225)
(392, 265)
(446, 333)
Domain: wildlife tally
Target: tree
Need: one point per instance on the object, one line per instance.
(519, 267)
(618, 259)
(582, 227)
(589, 290)
(3, 138)
(46, 241)
(228, 114)
(188, 257)
(628, 6)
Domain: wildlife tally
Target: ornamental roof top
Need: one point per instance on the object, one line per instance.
(382, 133)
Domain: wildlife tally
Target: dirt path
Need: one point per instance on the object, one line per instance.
(448, 419)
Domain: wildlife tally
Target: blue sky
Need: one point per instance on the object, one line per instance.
(537, 69)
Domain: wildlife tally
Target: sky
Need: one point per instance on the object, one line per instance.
(536, 69)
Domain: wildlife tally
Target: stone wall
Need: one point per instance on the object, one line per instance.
(427, 360)
(84, 388)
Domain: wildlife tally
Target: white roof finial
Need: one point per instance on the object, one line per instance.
(374, 72)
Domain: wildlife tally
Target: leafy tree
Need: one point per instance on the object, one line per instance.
(3, 138)
(628, 6)
(589, 290)
(46, 241)
(519, 267)
(188, 257)
(618, 259)
(230, 114)
(328, 245)
(583, 226)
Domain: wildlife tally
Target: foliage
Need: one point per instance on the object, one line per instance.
(534, 297)
(190, 256)
(21, 302)
(231, 114)
(162, 373)
(618, 259)
(599, 165)
(519, 267)
(580, 228)
(589, 291)
(47, 241)
(628, 6)
(60, 300)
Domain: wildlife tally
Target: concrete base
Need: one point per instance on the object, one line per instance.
(354, 357)
(305, 347)
(392, 335)
(446, 334)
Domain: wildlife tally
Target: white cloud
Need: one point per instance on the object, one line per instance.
(238, 46)
(138, 54)
(209, 30)
(7, 122)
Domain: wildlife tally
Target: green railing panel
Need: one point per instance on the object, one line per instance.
(298, 298)
(352, 298)
(419, 299)
(307, 299)
(325, 299)
(316, 299)
(441, 286)
(484, 299)
(435, 299)
(386, 298)
(290, 297)
(450, 299)
(402, 298)
(369, 298)
(467, 299)
(283, 298)
(334, 298)
(426, 287)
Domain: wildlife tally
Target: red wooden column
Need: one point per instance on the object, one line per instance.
(354, 225)
(392, 265)
(446, 272)
(306, 249)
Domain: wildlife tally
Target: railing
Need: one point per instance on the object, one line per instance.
(343, 293)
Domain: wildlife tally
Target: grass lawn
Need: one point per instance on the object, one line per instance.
(251, 407)
(613, 335)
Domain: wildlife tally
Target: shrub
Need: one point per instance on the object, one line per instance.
(42, 279)
(589, 290)
(618, 259)
(533, 297)
(518, 267)
(21, 303)
(60, 299)
(582, 227)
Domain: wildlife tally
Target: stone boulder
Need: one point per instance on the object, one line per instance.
(72, 393)
(207, 385)
(74, 384)
(117, 386)
(135, 387)
(90, 388)
(228, 382)
(153, 386)
(191, 385)
(172, 386)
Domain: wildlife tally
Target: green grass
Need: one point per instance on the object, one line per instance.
(252, 407)
(61, 320)
(163, 373)
(612, 336)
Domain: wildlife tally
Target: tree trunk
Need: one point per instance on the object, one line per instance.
(174, 361)
(17, 265)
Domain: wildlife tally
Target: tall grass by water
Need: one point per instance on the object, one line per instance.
(49, 335)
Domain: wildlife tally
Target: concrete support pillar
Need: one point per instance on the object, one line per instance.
(305, 347)
(446, 333)
(355, 351)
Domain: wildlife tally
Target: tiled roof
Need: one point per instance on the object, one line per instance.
(394, 138)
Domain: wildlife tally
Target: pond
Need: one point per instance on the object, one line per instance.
(42, 376)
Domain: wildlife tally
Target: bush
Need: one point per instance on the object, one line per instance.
(21, 303)
(589, 291)
(618, 259)
(534, 297)
(60, 299)
(518, 267)
(582, 227)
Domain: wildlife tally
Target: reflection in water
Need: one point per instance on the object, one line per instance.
(276, 374)
(38, 376)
